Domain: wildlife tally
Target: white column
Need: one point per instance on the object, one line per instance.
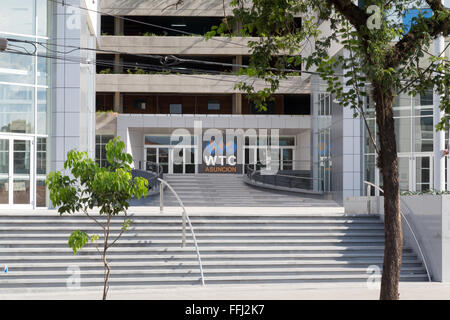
(438, 137)
(314, 131)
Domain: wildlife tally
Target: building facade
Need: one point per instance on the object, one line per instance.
(47, 100)
(144, 100)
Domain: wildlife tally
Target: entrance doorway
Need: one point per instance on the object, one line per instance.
(415, 172)
(16, 171)
(172, 159)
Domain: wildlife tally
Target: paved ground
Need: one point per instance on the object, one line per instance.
(342, 291)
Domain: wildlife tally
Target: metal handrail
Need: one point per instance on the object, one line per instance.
(254, 174)
(254, 171)
(185, 218)
(409, 226)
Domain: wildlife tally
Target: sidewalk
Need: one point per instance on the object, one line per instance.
(341, 291)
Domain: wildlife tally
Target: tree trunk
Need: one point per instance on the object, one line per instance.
(388, 164)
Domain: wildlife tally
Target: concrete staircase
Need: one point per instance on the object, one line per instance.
(228, 190)
(236, 248)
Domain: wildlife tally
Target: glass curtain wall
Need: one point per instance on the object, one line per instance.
(324, 141)
(414, 132)
(24, 98)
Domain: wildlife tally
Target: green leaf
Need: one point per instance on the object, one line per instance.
(78, 240)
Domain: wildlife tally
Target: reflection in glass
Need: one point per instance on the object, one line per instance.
(21, 194)
(4, 156)
(423, 170)
(4, 194)
(423, 134)
(21, 157)
(403, 173)
(287, 159)
(151, 155)
(14, 11)
(403, 134)
(163, 159)
(157, 140)
(16, 67)
(190, 159)
(41, 8)
(369, 170)
(178, 167)
(42, 111)
(40, 193)
(16, 109)
(4, 171)
(41, 156)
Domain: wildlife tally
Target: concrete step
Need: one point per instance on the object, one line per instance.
(194, 220)
(176, 234)
(118, 264)
(242, 247)
(142, 250)
(195, 279)
(191, 256)
(176, 271)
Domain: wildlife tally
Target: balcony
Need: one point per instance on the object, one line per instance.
(161, 8)
(191, 83)
(176, 45)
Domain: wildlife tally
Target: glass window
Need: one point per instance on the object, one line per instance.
(14, 11)
(403, 134)
(423, 134)
(42, 111)
(100, 150)
(287, 141)
(369, 147)
(17, 67)
(41, 156)
(426, 99)
(139, 105)
(213, 105)
(42, 68)
(188, 140)
(175, 108)
(157, 140)
(42, 9)
(16, 109)
(369, 170)
(402, 105)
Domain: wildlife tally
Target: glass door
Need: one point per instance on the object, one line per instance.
(163, 159)
(178, 167)
(4, 172)
(423, 173)
(404, 173)
(16, 160)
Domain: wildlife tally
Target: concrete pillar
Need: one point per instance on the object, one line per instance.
(117, 102)
(117, 64)
(237, 103)
(237, 97)
(118, 26)
(438, 136)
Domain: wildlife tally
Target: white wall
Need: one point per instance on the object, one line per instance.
(429, 218)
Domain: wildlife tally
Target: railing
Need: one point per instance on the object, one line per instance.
(370, 184)
(287, 178)
(185, 217)
(150, 171)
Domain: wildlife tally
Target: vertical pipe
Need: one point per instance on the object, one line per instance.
(161, 197)
(439, 136)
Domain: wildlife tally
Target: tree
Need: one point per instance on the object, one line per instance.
(383, 59)
(87, 186)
